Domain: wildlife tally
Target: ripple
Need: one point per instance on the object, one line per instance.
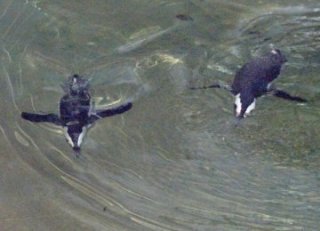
(293, 28)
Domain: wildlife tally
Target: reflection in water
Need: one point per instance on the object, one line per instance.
(139, 42)
(176, 161)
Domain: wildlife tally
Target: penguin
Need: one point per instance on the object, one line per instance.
(77, 113)
(253, 80)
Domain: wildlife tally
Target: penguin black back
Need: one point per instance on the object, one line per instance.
(76, 103)
(258, 73)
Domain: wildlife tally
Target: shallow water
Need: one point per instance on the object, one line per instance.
(177, 160)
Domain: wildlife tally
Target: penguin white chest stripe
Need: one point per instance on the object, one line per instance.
(250, 108)
(238, 104)
(82, 134)
(68, 137)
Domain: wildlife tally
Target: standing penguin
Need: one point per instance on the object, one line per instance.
(77, 113)
(254, 80)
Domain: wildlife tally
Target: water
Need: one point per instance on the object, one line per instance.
(176, 161)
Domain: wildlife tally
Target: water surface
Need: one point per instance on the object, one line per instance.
(177, 160)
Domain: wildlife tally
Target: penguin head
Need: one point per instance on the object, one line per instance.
(76, 85)
(244, 103)
(277, 57)
(74, 134)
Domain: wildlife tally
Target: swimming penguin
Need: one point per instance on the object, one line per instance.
(77, 113)
(254, 80)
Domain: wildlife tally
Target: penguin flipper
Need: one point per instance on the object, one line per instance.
(37, 118)
(215, 85)
(287, 96)
(111, 112)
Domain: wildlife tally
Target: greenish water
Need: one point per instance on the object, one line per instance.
(176, 161)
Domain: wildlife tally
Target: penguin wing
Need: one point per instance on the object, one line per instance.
(110, 112)
(287, 96)
(49, 118)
